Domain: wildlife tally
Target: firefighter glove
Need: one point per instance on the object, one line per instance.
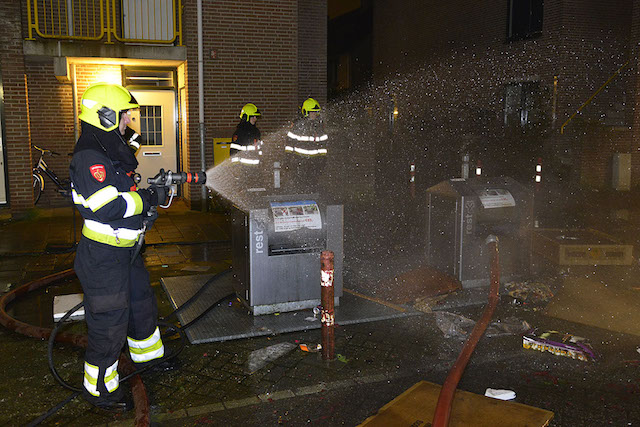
(158, 195)
(153, 196)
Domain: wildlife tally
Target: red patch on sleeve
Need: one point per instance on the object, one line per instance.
(98, 172)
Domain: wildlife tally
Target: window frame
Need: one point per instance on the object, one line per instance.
(535, 22)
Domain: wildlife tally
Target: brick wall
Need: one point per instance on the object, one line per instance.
(596, 156)
(461, 62)
(251, 54)
(312, 51)
(51, 112)
(16, 112)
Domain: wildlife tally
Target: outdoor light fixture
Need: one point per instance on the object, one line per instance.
(109, 75)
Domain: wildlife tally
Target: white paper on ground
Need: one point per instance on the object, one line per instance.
(64, 303)
(500, 394)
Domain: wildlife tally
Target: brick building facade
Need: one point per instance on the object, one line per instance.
(271, 53)
(507, 97)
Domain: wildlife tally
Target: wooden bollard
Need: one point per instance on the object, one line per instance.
(327, 315)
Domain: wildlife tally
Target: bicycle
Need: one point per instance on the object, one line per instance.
(42, 169)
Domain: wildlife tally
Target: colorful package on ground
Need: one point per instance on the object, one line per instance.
(559, 343)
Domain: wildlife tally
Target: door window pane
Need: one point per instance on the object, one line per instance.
(151, 124)
(520, 103)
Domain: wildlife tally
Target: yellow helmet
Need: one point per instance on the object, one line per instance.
(249, 110)
(310, 105)
(102, 104)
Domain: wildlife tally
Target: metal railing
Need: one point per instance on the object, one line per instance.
(591, 98)
(134, 21)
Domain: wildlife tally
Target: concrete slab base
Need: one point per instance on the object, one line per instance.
(229, 320)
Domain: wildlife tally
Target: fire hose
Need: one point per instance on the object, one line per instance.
(445, 399)
(138, 391)
(137, 387)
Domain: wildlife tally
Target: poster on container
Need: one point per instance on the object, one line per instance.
(289, 216)
(492, 198)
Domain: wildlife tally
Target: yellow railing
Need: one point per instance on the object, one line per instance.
(588, 101)
(137, 21)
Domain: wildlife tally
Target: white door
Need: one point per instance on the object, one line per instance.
(155, 121)
(3, 185)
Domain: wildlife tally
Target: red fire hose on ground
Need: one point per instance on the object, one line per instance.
(443, 407)
(138, 391)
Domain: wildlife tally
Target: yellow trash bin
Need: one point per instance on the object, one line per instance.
(220, 150)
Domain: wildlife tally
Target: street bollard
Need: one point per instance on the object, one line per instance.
(327, 316)
(465, 166)
(276, 174)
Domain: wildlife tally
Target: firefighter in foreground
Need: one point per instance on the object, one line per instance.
(120, 305)
(306, 150)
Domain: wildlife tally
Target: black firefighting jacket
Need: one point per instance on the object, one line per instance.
(105, 195)
(246, 145)
(307, 138)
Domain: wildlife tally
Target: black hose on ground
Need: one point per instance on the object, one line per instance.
(137, 388)
(77, 391)
(52, 339)
(53, 410)
(199, 292)
(169, 327)
(204, 313)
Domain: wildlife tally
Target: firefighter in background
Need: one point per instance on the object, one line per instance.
(246, 150)
(120, 306)
(306, 150)
(246, 145)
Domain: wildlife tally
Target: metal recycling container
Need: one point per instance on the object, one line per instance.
(461, 213)
(276, 248)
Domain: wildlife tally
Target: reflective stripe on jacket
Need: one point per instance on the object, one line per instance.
(307, 138)
(104, 194)
(247, 154)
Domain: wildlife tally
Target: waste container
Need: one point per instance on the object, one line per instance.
(276, 246)
(461, 213)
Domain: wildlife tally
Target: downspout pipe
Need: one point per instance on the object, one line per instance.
(203, 165)
(74, 94)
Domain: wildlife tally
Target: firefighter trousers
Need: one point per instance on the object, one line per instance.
(119, 304)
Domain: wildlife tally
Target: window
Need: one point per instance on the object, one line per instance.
(525, 19)
(520, 104)
(155, 77)
(151, 124)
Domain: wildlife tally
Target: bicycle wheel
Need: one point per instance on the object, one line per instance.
(38, 187)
